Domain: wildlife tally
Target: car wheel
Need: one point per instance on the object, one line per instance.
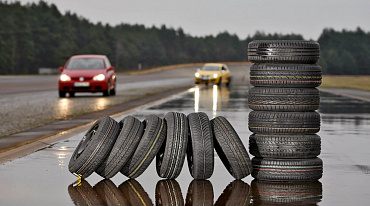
(107, 92)
(62, 94)
(228, 82)
(94, 147)
(219, 81)
(113, 91)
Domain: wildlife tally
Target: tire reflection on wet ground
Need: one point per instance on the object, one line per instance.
(200, 192)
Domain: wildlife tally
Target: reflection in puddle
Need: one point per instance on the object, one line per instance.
(101, 103)
(215, 98)
(167, 192)
(286, 193)
(62, 111)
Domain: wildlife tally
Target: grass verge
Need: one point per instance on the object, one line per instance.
(346, 81)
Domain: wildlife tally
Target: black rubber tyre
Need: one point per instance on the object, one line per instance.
(283, 99)
(168, 193)
(284, 51)
(127, 141)
(148, 147)
(284, 122)
(200, 192)
(109, 193)
(200, 153)
(170, 158)
(285, 146)
(62, 94)
(287, 169)
(94, 147)
(285, 75)
(81, 193)
(134, 193)
(237, 193)
(230, 148)
(286, 193)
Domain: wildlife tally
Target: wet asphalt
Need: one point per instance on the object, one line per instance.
(42, 177)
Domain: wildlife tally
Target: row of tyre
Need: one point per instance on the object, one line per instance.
(284, 100)
(200, 192)
(129, 146)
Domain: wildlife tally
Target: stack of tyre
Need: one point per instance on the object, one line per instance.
(129, 146)
(284, 100)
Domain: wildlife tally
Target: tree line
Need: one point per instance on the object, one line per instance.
(38, 35)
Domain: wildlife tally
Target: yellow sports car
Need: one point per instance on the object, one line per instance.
(213, 73)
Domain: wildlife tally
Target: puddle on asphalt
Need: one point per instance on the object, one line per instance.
(42, 178)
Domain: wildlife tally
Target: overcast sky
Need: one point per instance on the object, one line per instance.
(241, 17)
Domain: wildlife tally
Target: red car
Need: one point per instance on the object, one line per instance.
(87, 73)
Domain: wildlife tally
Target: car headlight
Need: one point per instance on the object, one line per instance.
(65, 78)
(197, 74)
(215, 75)
(99, 77)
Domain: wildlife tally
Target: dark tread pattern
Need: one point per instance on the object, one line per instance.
(283, 51)
(266, 122)
(81, 193)
(127, 141)
(287, 169)
(99, 139)
(286, 75)
(148, 147)
(283, 99)
(230, 148)
(168, 193)
(282, 193)
(285, 146)
(200, 154)
(170, 158)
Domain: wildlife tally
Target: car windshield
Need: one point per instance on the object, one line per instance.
(86, 63)
(211, 68)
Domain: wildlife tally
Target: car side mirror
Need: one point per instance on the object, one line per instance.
(111, 69)
(60, 69)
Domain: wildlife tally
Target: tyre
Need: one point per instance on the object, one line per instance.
(168, 193)
(200, 192)
(200, 154)
(283, 193)
(285, 146)
(81, 193)
(94, 147)
(170, 158)
(283, 99)
(287, 169)
(237, 193)
(127, 141)
(230, 148)
(219, 81)
(285, 75)
(109, 193)
(62, 94)
(149, 145)
(283, 51)
(134, 193)
(265, 122)
(106, 93)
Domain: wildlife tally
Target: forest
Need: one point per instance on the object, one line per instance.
(37, 35)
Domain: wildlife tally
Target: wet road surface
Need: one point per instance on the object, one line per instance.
(42, 178)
